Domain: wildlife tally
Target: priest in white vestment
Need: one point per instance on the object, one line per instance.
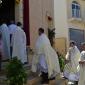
(45, 59)
(12, 29)
(71, 70)
(82, 66)
(19, 45)
(5, 41)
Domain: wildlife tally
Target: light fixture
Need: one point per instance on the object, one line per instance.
(0, 1)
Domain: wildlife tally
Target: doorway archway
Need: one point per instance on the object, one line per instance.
(7, 10)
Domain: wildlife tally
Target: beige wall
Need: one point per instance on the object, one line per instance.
(59, 10)
(60, 19)
(60, 45)
(38, 12)
(63, 21)
(39, 9)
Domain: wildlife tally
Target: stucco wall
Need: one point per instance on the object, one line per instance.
(62, 22)
(60, 19)
(38, 12)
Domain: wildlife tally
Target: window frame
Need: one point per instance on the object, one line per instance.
(76, 10)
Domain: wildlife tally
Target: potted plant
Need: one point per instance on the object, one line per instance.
(15, 72)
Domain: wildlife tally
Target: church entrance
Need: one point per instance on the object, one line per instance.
(7, 10)
(7, 13)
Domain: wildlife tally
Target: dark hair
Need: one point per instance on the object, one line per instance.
(41, 30)
(72, 42)
(19, 24)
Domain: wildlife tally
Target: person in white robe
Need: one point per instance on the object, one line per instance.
(1, 51)
(12, 29)
(82, 66)
(19, 44)
(71, 70)
(5, 41)
(45, 59)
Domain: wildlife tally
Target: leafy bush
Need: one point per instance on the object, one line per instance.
(15, 72)
(61, 61)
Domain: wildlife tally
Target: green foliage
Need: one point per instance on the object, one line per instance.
(51, 35)
(61, 62)
(16, 74)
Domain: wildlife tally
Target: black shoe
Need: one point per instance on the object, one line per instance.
(76, 82)
(64, 77)
(45, 82)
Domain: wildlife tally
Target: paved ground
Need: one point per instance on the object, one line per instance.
(34, 80)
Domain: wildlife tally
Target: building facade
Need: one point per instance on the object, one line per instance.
(35, 15)
(31, 13)
(39, 13)
(69, 21)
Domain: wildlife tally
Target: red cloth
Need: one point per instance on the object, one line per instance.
(26, 20)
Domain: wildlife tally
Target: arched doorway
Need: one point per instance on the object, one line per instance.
(7, 10)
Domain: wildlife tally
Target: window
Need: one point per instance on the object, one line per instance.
(75, 9)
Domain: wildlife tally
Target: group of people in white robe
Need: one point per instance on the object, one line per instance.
(46, 61)
(13, 42)
(75, 64)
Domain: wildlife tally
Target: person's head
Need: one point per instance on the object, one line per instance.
(72, 44)
(41, 31)
(83, 46)
(19, 24)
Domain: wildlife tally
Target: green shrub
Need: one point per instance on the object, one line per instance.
(15, 72)
(61, 61)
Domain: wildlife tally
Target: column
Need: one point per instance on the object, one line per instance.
(19, 11)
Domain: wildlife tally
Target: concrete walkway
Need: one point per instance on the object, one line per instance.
(36, 81)
(33, 79)
(58, 81)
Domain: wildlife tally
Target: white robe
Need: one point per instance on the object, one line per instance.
(82, 70)
(43, 47)
(12, 28)
(5, 41)
(71, 70)
(19, 45)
